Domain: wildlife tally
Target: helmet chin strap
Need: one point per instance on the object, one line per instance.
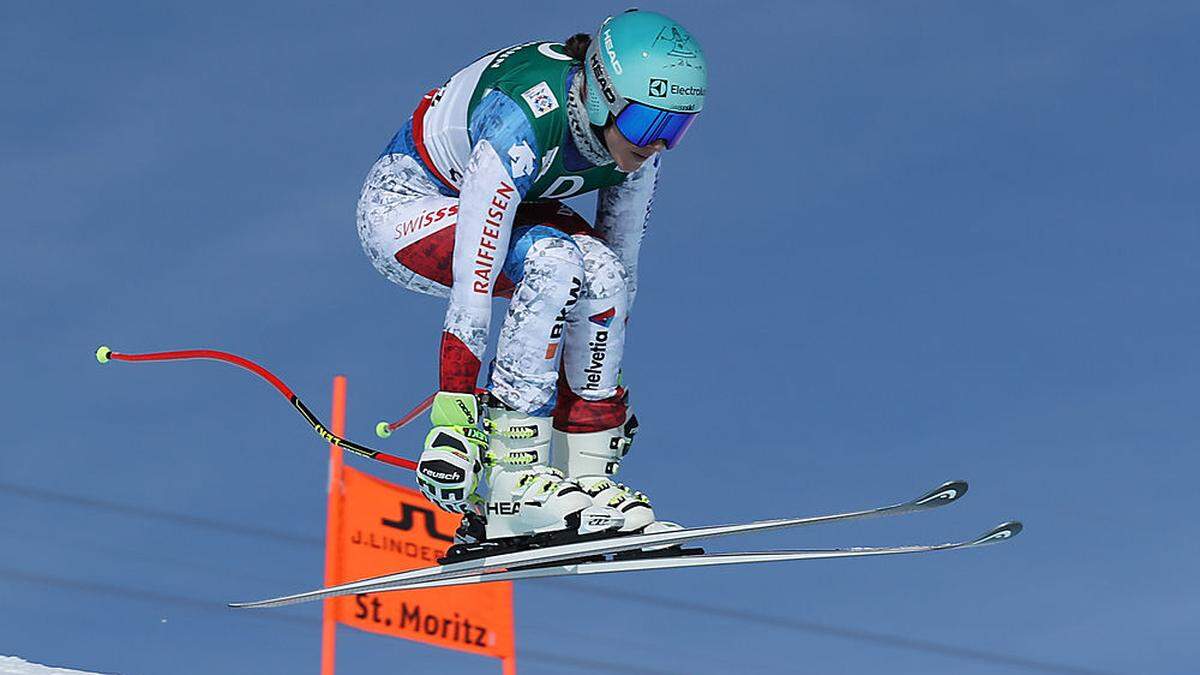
(590, 145)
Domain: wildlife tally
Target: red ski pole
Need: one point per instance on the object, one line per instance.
(104, 355)
(385, 428)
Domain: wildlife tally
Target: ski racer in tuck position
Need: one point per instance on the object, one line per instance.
(464, 204)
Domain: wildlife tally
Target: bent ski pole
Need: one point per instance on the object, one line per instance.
(385, 428)
(104, 355)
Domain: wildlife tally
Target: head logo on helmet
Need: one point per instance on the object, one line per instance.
(612, 54)
(649, 59)
(601, 80)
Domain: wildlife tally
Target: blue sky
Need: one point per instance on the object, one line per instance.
(903, 244)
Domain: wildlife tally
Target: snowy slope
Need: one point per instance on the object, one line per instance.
(11, 665)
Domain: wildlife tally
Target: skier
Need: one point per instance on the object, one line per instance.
(464, 203)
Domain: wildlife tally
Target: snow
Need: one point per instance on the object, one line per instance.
(11, 665)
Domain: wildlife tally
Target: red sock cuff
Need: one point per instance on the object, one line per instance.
(459, 368)
(575, 415)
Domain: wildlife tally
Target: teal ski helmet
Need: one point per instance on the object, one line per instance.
(646, 71)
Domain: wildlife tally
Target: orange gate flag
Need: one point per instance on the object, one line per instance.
(376, 527)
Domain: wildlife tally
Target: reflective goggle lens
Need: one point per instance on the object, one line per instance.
(642, 125)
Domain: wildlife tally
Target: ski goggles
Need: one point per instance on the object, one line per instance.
(642, 125)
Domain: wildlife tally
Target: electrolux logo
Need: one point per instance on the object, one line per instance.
(658, 87)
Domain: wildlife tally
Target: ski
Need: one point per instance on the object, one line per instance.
(1002, 532)
(944, 494)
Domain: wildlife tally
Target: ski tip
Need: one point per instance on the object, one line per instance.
(103, 353)
(383, 430)
(281, 601)
(999, 533)
(946, 493)
(248, 605)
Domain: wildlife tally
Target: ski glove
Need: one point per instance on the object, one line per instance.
(451, 462)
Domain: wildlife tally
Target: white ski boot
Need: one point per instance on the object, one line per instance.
(590, 459)
(522, 494)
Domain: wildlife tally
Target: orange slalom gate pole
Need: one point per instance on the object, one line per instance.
(333, 520)
(509, 664)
